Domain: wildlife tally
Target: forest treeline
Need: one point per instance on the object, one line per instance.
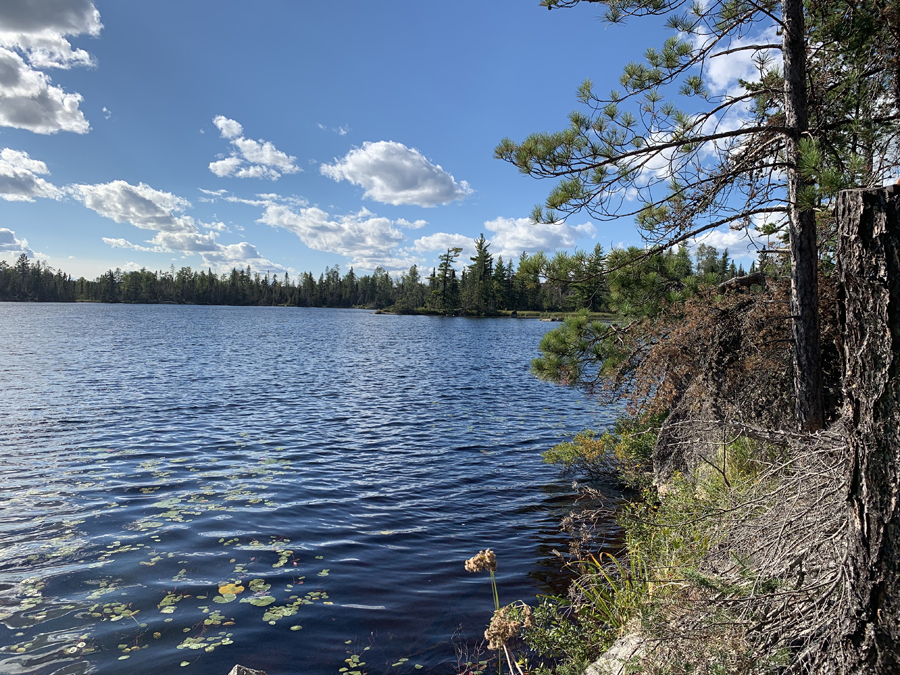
(485, 286)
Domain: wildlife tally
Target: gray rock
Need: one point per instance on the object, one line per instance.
(244, 670)
(627, 650)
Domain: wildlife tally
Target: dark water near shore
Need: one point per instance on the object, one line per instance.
(336, 467)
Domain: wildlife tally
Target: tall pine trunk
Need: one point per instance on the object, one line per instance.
(869, 312)
(809, 407)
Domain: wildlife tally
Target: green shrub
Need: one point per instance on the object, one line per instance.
(624, 452)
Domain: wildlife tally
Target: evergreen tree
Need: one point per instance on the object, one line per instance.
(832, 103)
(446, 295)
(480, 287)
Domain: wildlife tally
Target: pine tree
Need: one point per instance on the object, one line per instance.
(779, 162)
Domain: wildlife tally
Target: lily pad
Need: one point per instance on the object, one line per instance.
(259, 586)
(231, 589)
(261, 601)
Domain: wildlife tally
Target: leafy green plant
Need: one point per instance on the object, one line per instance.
(624, 452)
(615, 590)
(560, 641)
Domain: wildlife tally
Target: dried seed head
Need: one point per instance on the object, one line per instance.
(485, 560)
(528, 620)
(490, 561)
(502, 629)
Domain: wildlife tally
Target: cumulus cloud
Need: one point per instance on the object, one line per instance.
(10, 244)
(441, 241)
(149, 209)
(33, 37)
(512, 236)
(28, 100)
(19, 178)
(228, 128)
(61, 17)
(414, 225)
(392, 173)
(365, 238)
(218, 226)
(225, 167)
(227, 257)
(249, 158)
(222, 257)
(140, 205)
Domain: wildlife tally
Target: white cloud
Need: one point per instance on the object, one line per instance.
(721, 74)
(19, 181)
(744, 243)
(441, 241)
(62, 17)
(149, 209)
(262, 199)
(392, 173)
(249, 158)
(28, 100)
(365, 238)
(228, 128)
(217, 226)
(415, 225)
(222, 257)
(511, 238)
(33, 36)
(140, 205)
(123, 243)
(263, 152)
(342, 130)
(225, 167)
(514, 235)
(239, 255)
(9, 243)
(212, 196)
(47, 50)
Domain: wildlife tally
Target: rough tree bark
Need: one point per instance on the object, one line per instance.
(810, 409)
(869, 313)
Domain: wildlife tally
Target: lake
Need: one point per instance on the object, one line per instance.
(284, 488)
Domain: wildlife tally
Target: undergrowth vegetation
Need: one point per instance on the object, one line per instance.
(729, 568)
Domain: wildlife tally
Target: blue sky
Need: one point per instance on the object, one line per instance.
(288, 136)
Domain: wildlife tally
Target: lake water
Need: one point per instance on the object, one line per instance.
(278, 487)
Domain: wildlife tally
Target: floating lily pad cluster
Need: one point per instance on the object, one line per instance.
(111, 611)
(167, 604)
(207, 642)
(354, 664)
(162, 498)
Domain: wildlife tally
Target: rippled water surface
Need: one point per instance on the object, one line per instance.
(278, 487)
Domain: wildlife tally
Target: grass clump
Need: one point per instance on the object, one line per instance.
(729, 568)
